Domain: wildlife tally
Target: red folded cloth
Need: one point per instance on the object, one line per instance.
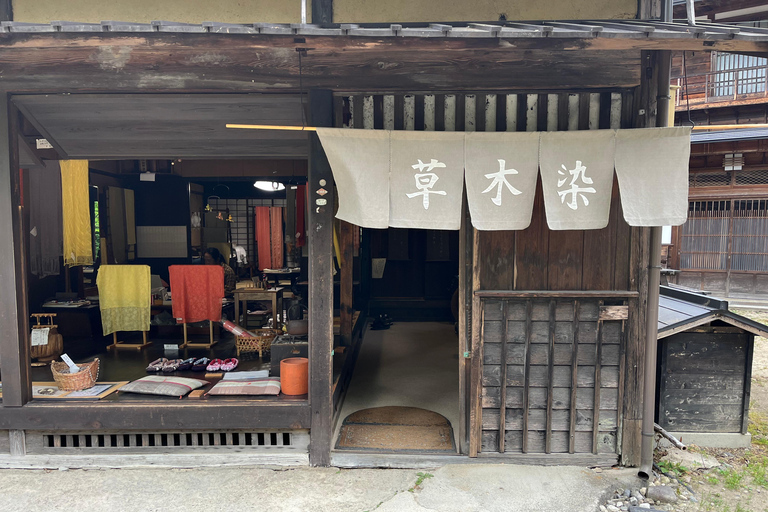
(196, 292)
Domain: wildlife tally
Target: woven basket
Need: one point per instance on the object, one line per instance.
(84, 379)
(260, 342)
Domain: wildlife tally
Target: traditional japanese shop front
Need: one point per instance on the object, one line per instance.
(554, 247)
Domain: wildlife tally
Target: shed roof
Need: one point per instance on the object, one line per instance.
(729, 135)
(680, 310)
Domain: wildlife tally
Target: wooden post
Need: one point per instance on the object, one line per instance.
(6, 10)
(320, 237)
(18, 443)
(14, 317)
(322, 14)
(346, 302)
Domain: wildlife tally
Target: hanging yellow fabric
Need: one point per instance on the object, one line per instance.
(76, 213)
(125, 296)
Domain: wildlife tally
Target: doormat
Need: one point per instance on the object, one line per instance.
(396, 430)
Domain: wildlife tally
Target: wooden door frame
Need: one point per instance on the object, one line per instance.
(465, 324)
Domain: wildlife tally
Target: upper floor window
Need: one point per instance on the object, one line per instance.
(738, 74)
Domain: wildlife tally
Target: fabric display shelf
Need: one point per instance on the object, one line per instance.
(416, 179)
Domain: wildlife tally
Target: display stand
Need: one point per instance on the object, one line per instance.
(189, 344)
(123, 345)
(44, 354)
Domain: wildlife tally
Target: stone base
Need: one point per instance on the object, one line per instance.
(711, 439)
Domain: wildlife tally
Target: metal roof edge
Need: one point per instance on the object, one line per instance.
(694, 298)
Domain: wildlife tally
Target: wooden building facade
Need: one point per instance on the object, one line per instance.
(721, 248)
(560, 381)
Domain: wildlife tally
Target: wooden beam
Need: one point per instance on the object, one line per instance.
(181, 62)
(320, 233)
(322, 12)
(346, 298)
(14, 349)
(210, 414)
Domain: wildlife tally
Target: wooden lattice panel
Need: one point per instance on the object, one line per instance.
(563, 356)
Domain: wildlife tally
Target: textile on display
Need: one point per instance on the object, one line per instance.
(76, 213)
(196, 292)
(125, 297)
(45, 241)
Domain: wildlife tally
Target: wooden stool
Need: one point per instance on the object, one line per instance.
(135, 346)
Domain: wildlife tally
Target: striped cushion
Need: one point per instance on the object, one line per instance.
(161, 385)
(266, 386)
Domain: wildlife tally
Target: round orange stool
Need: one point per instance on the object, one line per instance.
(294, 376)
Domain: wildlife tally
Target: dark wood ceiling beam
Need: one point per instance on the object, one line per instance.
(77, 62)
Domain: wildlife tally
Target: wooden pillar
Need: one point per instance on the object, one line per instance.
(320, 238)
(645, 108)
(6, 10)
(14, 321)
(18, 444)
(322, 12)
(346, 302)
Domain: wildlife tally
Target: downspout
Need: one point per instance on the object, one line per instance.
(654, 281)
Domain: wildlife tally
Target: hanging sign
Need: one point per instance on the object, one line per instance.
(410, 179)
(426, 179)
(360, 163)
(501, 171)
(647, 166)
(577, 178)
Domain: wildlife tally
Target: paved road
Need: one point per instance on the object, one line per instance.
(464, 488)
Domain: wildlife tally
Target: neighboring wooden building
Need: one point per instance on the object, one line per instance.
(721, 248)
(576, 398)
(705, 369)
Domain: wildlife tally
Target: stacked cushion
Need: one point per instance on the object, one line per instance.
(265, 386)
(163, 385)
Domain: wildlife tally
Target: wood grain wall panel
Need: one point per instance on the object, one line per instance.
(532, 249)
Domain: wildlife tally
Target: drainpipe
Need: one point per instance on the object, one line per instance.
(654, 280)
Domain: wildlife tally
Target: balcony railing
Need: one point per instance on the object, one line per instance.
(717, 86)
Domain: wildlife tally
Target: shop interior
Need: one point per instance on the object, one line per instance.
(244, 195)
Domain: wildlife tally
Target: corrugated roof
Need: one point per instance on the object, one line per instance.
(633, 29)
(680, 310)
(729, 135)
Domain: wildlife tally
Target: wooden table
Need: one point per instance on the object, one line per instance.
(275, 295)
(277, 274)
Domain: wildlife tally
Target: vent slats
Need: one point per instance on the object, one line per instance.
(49, 442)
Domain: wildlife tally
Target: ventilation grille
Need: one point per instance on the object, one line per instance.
(752, 177)
(710, 179)
(51, 442)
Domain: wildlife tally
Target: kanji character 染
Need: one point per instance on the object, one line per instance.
(575, 191)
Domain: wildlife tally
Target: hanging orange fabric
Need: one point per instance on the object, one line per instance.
(263, 238)
(196, 291)
(276, 214)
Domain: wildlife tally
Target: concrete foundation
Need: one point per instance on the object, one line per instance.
(712, 439)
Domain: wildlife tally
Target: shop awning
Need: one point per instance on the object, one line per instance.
(412, 179)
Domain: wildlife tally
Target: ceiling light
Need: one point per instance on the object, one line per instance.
(269, 186)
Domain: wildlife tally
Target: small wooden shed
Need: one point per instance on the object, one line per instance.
(704, 369)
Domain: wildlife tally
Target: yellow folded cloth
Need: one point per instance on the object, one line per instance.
(125, 297)
(76, 213)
